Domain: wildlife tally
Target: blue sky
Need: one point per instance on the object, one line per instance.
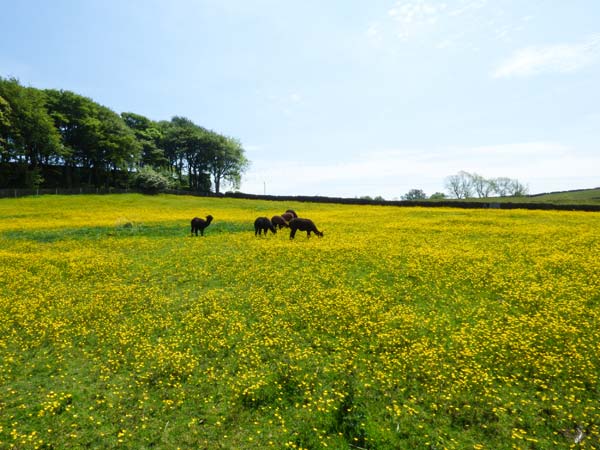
(340, 98)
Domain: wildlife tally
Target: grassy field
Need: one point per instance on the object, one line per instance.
(577, 197)
(401, 328)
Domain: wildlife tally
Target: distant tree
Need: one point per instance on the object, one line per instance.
(517, 189)
(414, 194)
(117, 147)
(437, 196)
(502, 186)
(379, 198)
(188, 148)
(227, 163)
(149, 135)
(459, 185)
(464, 185)
(482, 187)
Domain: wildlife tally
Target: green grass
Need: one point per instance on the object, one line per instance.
(402, 328)
(577, 197)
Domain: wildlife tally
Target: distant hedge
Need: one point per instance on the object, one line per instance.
(427, 204)
(314, 199)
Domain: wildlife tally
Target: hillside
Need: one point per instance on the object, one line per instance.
(575, 197)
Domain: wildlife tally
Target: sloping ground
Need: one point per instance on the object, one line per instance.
(579, 197)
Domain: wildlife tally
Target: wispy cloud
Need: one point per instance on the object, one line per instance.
(417, 17)
(560, 58)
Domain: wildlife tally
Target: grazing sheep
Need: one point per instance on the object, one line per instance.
(200, 224)
(279, 221)
(293, 213)
(287, 216)
(263, 224)
(303, 225)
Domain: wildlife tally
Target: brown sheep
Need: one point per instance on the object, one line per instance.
(303, 225)
(293, 213)
(263, 224)
(279, 221)
(200, 224)
(287, 216)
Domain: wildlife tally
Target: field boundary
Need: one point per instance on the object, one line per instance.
(14, 193)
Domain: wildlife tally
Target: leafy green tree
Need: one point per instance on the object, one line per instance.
(227, 163)
(29, 134)
(187, 147)
(149, 134)
(414, 194)
(437, 196)
(5, 112)
(97, 138)
(117, 147)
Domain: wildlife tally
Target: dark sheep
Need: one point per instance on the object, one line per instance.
(293, 213)
(263, 224)
(303, 225)
(200, 224)
(287, 216)
(279, 221)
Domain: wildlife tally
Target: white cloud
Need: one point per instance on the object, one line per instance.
(561, 58)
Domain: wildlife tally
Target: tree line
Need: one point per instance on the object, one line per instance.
(465, 185)
(57, 138)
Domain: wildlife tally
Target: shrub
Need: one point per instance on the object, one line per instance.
(150, 181)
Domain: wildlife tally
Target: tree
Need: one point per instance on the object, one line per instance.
(148, 134)
(437, 196)
(5, 112)
(96, 137)
(502, 186)
(463, 184)
(482, 187)
(117, 147)
(28, 131)
(517, 189)
(188, 147)
(459, 185)
(414, 194)
(227, 163)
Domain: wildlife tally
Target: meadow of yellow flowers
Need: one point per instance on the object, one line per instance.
(400, 328)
